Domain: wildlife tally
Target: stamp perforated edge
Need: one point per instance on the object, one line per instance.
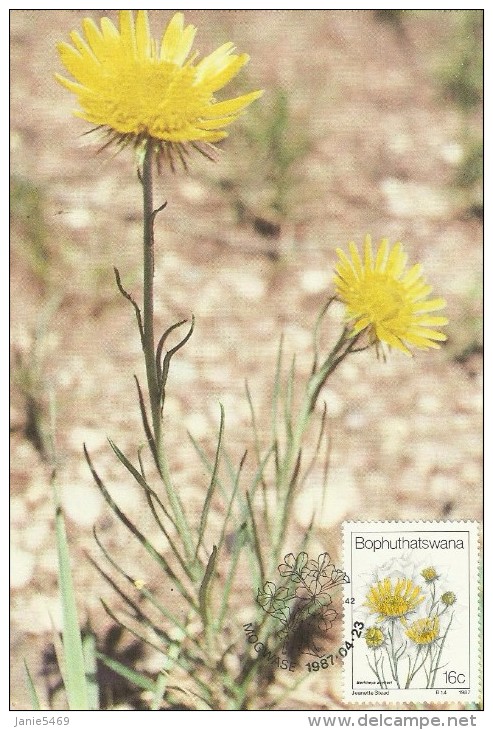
(411, 696)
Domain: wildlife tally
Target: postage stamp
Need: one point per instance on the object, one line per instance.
(414, 594)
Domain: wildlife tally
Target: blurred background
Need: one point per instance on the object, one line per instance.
(371, 122)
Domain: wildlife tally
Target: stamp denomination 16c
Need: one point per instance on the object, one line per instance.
(415, 589)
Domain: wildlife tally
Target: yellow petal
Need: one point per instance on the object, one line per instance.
(397, 261)
(93, 35)
(391, 339)
(142, 35)
(368, 253)
(412, 275)
(109, 31)
(232, 106)
(355, 259)
(422, 342)
(427, 321)
(431, 305)
(428, 333)
(177, 41)
(382, 252)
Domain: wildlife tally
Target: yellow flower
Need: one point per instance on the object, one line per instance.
(429, 574)
(448, 598)
(387, 301)
(393, 601)
(424, 630)
(374, 637)
(139, 90)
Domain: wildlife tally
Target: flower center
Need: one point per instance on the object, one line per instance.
(152, 97)
(384, 298)
(395, 606)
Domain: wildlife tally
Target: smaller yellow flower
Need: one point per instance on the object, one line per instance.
(374, 637)
(139, 584)
(429, 574)
(424, 631)
(387, 301)
(448, 598)
(394, 601)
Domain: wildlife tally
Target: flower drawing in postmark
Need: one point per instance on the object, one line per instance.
(304, 598)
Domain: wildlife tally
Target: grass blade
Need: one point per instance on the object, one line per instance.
(157, 557)
(212, 485)
(205, 586)
(75, 671)
(140, 680)
(150, 495)
(256, 541)
(90, 661)
(277, 390)
(33, 695)
(238, 545)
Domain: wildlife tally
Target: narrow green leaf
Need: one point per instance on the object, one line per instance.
(230, 504)
(289, 497)
(230, 464)
(75, 675)
(138, 612)
(140, 680)
(207, 462)
(258, 478)
(151, 495)
(33, 695)
(277, 389)
(89, 649)
(316, 450)
(256, 541)
(254, 423)
(137, 634)
(170, 659)
(200, 702)
(59, 654)
(161, 343)
(205, 586)
(258, 455)
(188, 666)
(167, 360)
(145, 422)
(136, 532)
(212, 485)
(316, 332)
(132, 301)
(288, 401)
(159, 689)
(238, 545)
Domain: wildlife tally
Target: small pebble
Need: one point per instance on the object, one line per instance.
(21, 567)
(82, 503)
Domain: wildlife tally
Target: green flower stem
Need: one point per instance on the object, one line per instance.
(148, 344)
(286, 473)
(434, 669)
(415, 669)
(393, 660)
(381, 679)
(150, 355)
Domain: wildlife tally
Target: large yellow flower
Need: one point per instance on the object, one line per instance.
(424, 630)
(393, 601)
(139, 90)
(385, 299)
